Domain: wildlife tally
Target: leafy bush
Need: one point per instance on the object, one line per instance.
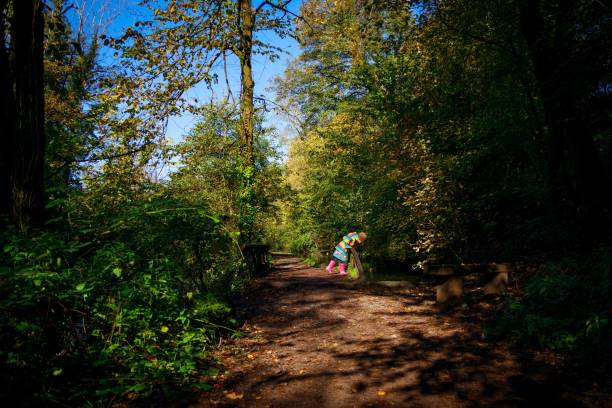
(125, 306)
(310, 261)
(566, 308)
(353, 273)
(301, 245)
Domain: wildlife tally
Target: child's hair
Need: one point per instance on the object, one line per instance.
(362, 236)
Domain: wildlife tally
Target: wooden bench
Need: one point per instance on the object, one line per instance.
(497, 274)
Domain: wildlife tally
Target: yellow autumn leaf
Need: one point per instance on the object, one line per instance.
(381, 393)
(233, 396)
(251, 356)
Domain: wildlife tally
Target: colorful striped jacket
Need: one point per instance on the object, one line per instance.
(341, 250)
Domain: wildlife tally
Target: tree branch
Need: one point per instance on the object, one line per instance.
(488, 41)
(276, 6)
(227, 84)
(281, 108)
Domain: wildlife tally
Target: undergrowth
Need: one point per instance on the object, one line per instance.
(124, 305)
(567, 308)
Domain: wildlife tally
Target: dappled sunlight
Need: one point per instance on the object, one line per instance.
(318, 340)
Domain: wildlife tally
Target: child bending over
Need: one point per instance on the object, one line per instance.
(341, 250)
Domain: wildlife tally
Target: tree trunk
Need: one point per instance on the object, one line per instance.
(575, 166)
(7, 115)
(246, 77)
(23, 111)
(246, 117)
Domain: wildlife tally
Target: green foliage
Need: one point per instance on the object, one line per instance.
(310, 261)
(213, 171)
(423, 129)
(301, 245)
(566, 308)
(353, 273)
(126, 306)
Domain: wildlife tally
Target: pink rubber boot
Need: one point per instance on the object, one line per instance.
(330, 267)
(343, 269)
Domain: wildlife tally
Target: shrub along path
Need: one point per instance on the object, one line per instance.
(315, 340)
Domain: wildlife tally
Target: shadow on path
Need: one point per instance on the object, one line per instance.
(318, 340)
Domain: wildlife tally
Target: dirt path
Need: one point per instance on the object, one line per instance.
(316, 340)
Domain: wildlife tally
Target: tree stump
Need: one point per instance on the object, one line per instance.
(451, 289)
(497, 275)
(498, 285)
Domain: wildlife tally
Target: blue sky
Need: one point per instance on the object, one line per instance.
(124, 13)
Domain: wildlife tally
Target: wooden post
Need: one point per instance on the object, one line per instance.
(357, 262)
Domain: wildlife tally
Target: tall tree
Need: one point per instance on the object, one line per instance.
(70, 66)
(7, 106)
(22, 87)
(181, 47)
(246, 23)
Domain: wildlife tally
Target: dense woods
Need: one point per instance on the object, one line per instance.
(442, 130)
(451, 131)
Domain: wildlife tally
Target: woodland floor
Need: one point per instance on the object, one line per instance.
(319, 340)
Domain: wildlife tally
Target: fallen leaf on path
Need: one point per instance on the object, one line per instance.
(234, 396)
(257, 397)
(302, 371)
(381, 393)
(251, 356)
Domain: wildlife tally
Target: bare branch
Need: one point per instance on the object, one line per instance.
(283, 109)
(229, 88)
(278, 7)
